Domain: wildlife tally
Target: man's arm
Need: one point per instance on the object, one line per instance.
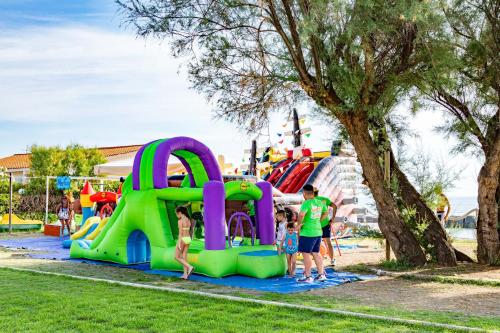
(334, 213)
(324, 215)
(300, 220)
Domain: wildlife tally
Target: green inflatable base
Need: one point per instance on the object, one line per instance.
(5, 227)
(259, 261)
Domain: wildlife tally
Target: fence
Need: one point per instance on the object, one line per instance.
(39, 203)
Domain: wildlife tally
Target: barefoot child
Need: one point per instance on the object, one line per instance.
(65, 214)
(290, 243)
(183, 241)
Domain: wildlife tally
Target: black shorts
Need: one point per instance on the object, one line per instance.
(327, 231)
(309, 244)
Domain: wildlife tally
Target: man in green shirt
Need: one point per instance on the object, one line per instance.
(312, 212)
(327, 226)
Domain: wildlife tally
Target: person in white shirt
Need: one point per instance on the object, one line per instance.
(281, 226)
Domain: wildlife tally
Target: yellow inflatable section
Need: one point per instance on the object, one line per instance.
(17, 220)
(97, 230)
(85, 228)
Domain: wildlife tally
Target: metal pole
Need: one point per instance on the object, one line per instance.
(10, 202)
(387, 179)
(46, 199)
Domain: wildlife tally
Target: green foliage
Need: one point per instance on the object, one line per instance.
(396, 265)
(74, 160)
(464, 78)
(367, 232)
(430, 176)
(4, 203)
(255, 59)
(40, 216)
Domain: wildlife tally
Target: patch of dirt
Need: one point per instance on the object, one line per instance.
(415, 295)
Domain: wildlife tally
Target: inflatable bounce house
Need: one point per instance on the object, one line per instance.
(143, 227)
(18, 223)
(334, 174)
(96, 210)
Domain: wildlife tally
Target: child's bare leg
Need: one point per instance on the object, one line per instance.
(288, 263)
(329, 247)
(185, 255)
(178, 257)
(67, 224)
(293, 263)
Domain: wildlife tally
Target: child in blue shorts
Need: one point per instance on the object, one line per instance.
(290, 245)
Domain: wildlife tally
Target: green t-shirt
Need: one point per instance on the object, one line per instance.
(313, 208)
(196, 207)
(251, 208)
(327, 202)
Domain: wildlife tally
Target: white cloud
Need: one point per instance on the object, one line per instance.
(98, 87)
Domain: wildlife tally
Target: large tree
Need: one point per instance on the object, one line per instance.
(355, 59)
(465, 82)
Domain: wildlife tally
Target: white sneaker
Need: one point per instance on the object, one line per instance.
(320, 278)
(333, 262)
(306, 279)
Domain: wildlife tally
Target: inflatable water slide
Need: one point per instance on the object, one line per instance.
(336, 177)
(143, 227)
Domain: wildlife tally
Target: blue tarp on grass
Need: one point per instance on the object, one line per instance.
(52, 249)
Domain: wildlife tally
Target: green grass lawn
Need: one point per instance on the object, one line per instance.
(39, 303)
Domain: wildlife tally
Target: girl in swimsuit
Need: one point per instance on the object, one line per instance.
(65, 214)
(183, 241)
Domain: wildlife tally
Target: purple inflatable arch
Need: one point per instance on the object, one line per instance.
(166, 148)
(162, 154)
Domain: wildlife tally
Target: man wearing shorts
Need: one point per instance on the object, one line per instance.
(311, 213)
(327, 226)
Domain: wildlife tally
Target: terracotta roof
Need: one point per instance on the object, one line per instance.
(23, 161)
(118, 150)
(16, 161)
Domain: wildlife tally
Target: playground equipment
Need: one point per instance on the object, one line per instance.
(92, 225)
(143, 227)
(19, 224)
(335, 176)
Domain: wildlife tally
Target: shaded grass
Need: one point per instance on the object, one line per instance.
(38, 303)
(449, 279)
(396, 265)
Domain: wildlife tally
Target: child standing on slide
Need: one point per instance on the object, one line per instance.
(183, 241)
(290, 245)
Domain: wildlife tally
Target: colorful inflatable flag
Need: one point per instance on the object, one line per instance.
(280, 142)
(307, 135)
(302, 121)
(279, 134)
(284, 125)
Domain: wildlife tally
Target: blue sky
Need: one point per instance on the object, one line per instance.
(69, 73)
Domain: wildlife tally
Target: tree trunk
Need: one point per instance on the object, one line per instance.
(400, 237)
(434, 233)
(488, 243)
